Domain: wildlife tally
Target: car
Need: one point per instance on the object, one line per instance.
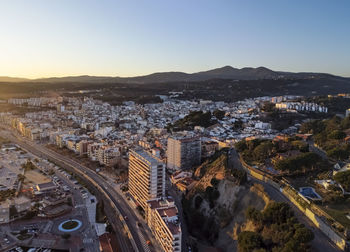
(149, 243)
(126, 217)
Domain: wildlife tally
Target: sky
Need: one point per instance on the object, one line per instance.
(45, 38)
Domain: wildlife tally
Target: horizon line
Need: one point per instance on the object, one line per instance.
(142, 75)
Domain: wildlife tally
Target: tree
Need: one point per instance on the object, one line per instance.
(21, 177)
(238, 124)
(345, 123)
(277, 212)
(336, 134)
(338, 153)
(343, 178)
(313, 127)
(248, 241)
(268, 107)
(241, 145)
(219, 114)
(303, 235)
(300, 145)
(253, 214)
(262, 151)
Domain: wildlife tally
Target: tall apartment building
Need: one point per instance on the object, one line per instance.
(183, 152)
(162, 219)
(146, 177)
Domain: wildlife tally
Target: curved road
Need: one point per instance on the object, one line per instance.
(117, 200)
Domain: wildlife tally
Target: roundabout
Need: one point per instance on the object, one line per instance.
(70, 225)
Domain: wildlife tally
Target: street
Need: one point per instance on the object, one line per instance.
(117, 200)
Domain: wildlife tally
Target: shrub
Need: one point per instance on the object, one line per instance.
(248, 241)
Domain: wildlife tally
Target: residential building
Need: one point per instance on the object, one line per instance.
(162, 219)
(146, 177)
(4, 212)
(184, 151)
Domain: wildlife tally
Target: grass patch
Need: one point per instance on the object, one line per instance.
(339, 215)
(70, 225)
(23, 237)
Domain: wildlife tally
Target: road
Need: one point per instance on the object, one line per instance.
(321, 242)
(116, 199)
(316, 150)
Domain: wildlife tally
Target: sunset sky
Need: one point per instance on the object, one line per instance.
(127, 38)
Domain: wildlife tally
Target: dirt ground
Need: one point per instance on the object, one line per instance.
(230, 210)
(34, 177)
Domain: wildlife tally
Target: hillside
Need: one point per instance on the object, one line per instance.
(216, 205)
(226, 72)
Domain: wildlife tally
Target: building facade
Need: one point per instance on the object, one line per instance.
(146, 177)
(183, 152)
(162, 219)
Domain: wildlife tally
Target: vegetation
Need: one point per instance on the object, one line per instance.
(330, 136)
(7, 194)
(258, 151)
(70, 225)
(30, 214)
(249, 241)
(100, 213)
(334, 104)
(219, 114)
(194, 118)
(276, 229)
(28, 166)
(303, 162)
(343, 178)
(23, 236)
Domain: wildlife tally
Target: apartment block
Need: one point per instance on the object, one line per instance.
(183, 152)
(162, 219)
(146, 177)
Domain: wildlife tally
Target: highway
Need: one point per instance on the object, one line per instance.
(321, 242)
(117, 200)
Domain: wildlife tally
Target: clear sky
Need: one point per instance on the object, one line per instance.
(41, 38)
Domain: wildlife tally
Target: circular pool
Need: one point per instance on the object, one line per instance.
(70, 225)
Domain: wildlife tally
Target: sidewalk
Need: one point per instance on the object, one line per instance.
(100, 228)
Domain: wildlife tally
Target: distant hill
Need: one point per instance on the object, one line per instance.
(226, 72)
(12, 79)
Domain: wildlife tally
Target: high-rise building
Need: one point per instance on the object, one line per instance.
(183, 152)
(146, 177)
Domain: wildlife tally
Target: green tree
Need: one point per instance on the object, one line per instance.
(262, 151)
(248, 241)
(303, 235)
(219, 114)
(343, 178)
(338, 153)
(336, 134)
(241, 145)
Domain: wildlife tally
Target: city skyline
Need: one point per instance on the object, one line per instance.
(61, 38)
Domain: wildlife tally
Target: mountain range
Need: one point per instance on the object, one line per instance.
(226, 72)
